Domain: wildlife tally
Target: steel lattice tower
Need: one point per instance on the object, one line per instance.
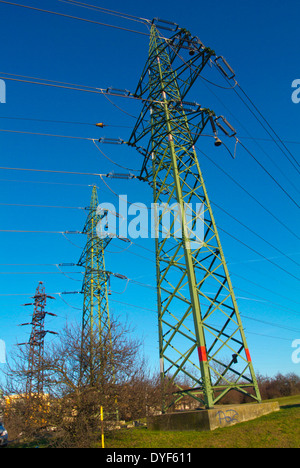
(201, 337)
(35, 372)
(95, 318)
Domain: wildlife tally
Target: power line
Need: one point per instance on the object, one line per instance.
(40, 272)
(63, 122)
(91, 139)
(60, 294)
(268, 173)
(47, 134)
(66, 232)
(37, 232)
(256, 234)
(255, 139)
(110, 91)
(74, 17)
(66, 85)
(267, 301)
(52, 171)
(267, 289)
(75, 87)
(240, 142)
(72, 122)
(107, 11)
(102, 140)
(83, 208)
(111, 160)
(277, 136)
(250, 195)
(261, 255)
(57, 265)
(237, 85)
(47, 183)
(43, 206)
(246, 245)
(46, 120)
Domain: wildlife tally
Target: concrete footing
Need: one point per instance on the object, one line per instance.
(210, 419)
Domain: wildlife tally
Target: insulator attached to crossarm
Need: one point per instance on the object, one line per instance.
(118, 92)
(223, 125)
(224, 67)
(111, 141)
(229, 131)
(157, 22)
(218, 142)
(116, 175)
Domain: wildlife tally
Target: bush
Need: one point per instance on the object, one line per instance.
(279, 386)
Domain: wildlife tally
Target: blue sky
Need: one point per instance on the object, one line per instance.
(260, 41)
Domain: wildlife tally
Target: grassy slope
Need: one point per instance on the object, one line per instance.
(276, 430)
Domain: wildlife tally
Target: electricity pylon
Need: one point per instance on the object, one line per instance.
(95, 318)
(202, 344)
(35, 371)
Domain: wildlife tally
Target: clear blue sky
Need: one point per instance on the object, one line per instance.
(260, 40)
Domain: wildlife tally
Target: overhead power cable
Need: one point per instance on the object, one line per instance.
(77, 87)
(250, 195)
(57, 265)
(110, 175)
(262, 120)
(258, 253)
(74, 17)
(256, 234)
(46, 134)
(67, 85)
(45, 120)
(261, 255)
(102, 125)
(43, 206)
(40, 232)
(48, 170)
(71, 122)
(47, 183)
(291, 157)
(255, 139)
(107, 11)
(270, 175)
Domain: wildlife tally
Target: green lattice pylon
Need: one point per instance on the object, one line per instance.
(95, 318)
(202, 344)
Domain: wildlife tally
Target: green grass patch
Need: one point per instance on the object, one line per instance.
(276, 430)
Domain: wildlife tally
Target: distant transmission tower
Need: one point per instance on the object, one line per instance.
(35, 372)
(95, 318)
(201, 337)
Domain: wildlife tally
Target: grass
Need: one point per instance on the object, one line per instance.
(276, 430)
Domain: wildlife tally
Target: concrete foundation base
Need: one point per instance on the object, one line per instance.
(210, 419)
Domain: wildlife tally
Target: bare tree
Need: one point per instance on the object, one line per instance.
(118, 381)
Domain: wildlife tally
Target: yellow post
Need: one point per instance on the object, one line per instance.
(102, 426)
